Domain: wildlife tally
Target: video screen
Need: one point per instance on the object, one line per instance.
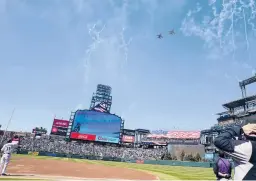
(60, 123)
(96, 126)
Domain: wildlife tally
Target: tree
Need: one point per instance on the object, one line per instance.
(190, 157)
(168, 156)
(198, 157)
(182, 155)
(174, 158)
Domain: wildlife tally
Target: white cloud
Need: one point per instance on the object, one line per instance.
(111, 47)
(220, 31)
(227, 32)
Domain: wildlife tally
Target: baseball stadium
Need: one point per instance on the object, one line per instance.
(94, 144)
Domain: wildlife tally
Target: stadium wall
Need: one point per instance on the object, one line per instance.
(92, 157)
(179, 163)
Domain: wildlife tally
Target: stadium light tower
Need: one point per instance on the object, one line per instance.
(102, 99)
(246, 82)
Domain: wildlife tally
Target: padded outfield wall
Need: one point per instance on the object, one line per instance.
(92, 157)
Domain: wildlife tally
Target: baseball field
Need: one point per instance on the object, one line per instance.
(24, 167)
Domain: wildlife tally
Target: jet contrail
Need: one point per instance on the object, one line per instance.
(246, 36)
(95, 36)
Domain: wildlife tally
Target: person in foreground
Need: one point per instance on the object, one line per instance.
(240, 144)
(7, 150)
(222, 167)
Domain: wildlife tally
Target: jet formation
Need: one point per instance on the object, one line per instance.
(171, 32)
(159, 36)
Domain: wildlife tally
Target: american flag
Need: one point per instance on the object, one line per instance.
(99, 109)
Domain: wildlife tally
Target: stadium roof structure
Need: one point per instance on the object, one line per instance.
(239, 102)
(225, 112)
(245, 101)
(143, 131)
(246, 82)
(177, 135)
(128, 129)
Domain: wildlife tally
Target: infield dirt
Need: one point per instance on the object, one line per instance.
(47, 167)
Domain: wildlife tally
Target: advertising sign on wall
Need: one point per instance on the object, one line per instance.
(128, 139)
(59, 127)
(139, 161)
(107, 139)
(80, 136)
(60, 123)
(59, 131)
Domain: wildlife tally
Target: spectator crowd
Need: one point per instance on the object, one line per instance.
(57, 145)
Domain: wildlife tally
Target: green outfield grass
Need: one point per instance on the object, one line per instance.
(162, 171)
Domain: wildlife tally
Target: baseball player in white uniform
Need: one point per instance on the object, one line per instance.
(7, 150)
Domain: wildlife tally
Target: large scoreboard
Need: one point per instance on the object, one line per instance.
(96, 126)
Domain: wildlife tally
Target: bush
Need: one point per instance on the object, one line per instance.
(167, 156)
(174, 158)
(182, 155)
(189, 157)
(198, 157)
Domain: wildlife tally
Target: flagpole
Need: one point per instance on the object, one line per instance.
(8, 125)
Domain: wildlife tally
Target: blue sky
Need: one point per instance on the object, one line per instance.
(55, 52)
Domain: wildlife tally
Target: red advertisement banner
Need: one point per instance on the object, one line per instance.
(128, 139)
(60, 123)
(89, 137)
(140, 161)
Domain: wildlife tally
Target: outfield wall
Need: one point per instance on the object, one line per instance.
(92, 157)
(173, 163)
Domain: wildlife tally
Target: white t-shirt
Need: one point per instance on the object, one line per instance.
(8, 148)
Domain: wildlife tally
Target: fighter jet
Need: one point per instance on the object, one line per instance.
(171, 32)
(159, 36)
